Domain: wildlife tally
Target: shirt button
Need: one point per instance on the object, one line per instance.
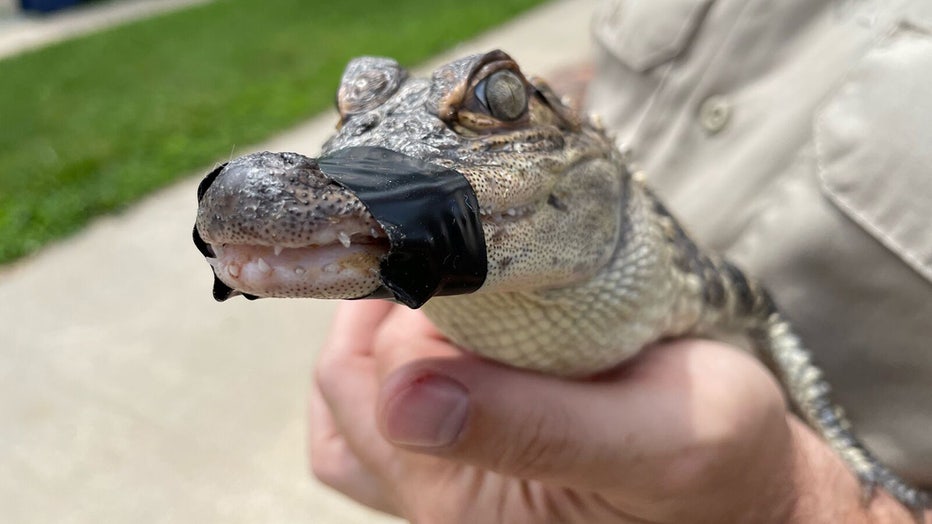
(714, 113)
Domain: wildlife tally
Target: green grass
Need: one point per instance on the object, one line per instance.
(92, 124)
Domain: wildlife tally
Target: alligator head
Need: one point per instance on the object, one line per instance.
(542, 186)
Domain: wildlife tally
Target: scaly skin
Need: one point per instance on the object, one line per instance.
(585, 266)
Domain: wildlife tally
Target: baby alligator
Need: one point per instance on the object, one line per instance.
(479, 185)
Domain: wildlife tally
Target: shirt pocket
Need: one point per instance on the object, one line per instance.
(646, 33)
(874, 145)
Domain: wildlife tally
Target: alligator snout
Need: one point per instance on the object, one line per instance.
(282, 224)
(272, 224)
(276, 199)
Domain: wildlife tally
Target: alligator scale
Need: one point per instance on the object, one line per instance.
(512, 220)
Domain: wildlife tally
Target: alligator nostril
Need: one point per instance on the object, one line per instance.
(202, 246)
(208, 180)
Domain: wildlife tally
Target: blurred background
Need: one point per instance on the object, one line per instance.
(126, 393)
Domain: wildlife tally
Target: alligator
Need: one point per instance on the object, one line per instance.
(513, 220)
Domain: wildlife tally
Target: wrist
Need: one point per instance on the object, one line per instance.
(825, 490)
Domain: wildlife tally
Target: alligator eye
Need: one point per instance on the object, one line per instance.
(504, 94)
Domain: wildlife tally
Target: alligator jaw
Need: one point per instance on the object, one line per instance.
(272, 225)
(285, 225)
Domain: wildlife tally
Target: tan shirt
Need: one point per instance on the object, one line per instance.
(795, 136)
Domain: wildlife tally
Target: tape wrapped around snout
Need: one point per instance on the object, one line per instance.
(430, 215)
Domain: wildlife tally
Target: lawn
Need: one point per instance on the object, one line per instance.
(92, 124)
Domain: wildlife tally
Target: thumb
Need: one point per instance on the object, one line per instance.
(586, 434)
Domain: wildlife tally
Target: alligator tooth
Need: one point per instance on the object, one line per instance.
(512, 212)
(233, 270)
(344, 238)
(298, 270)
(373, 232)
(278, 250)
(264, 266)
(332, 268)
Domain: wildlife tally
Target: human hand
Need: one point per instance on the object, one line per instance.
(691, 431)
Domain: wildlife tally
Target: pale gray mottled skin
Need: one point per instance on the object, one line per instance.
(586, 267)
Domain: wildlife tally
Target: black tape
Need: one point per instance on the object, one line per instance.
(430, 215)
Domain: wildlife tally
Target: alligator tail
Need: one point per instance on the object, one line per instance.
(781, 350)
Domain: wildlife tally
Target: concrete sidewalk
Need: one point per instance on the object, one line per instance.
(128, 395)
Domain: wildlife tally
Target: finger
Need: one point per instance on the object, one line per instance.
(354, 326)
(346, 377)
(334, 463)
(620, 433)
(350, 391)
(403, 324)
(407, 335)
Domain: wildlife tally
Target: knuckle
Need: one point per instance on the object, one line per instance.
(389, 335)
(452, 512)
(543, 443)
(327, 381)
(328, 469)
(399, 328)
